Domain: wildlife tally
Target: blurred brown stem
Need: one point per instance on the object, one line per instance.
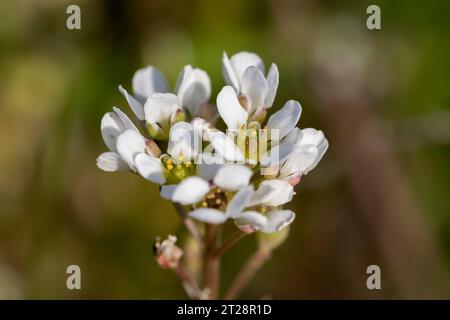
(228, 243)
(186, 279)
(253, 265)
(189, 224)
(211, 263)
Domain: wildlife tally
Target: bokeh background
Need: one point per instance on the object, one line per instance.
(379, 196)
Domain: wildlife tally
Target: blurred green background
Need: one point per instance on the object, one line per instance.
(379, 196)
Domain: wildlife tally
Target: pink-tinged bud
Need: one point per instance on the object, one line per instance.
(248, 229)
(167, 253)
(295, 180)
(152, 148)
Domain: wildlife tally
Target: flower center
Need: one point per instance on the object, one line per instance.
(216, 199)
(177, 171)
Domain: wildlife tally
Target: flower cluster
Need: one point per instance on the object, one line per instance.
(245, 173)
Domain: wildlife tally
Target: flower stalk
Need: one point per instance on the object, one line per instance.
(188, 223)
(228, 243)
(211, 263)
(248, 272)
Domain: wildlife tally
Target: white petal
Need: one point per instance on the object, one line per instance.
(229, 74)
(277, 220)
(209, 215)
(183, 142)
(294, 136)
(323, 146)
(242, 60)
(160, 106)
(202, 128)
(147, 81)
(194, 89)
(190, 190)
(254, 86)
(240, 201)
(272, 84)
(129, 144)
(226, 147)
(150, 168)
(277, 154)
(300, 162)
(311, 136)
(273, 193)
(208, 166)
(233, 177)
(134, 104)
(127, 123)
(231, 111)
(113, 124)
(111, 127)
(167, 191)
(111, 161)
(255, 220)
(286, 118)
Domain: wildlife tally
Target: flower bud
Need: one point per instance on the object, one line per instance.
(152, 148)
(295, 180)
(246, 228)
(167, 253)
(270, 241)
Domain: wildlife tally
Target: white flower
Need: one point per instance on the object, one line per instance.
(193, 189)
(207, 169)
(215, 216)
(226, 148)
(147, 81)
(161, 111)
(285, 119)
(245, 73)
(230, 109)
(193, 89)
(184, 144)
(279, 125)
(273, 193)
(295, 151)
(250, 220)
(235, 178)
(309, 147)
(128, 148)
(272, 221)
